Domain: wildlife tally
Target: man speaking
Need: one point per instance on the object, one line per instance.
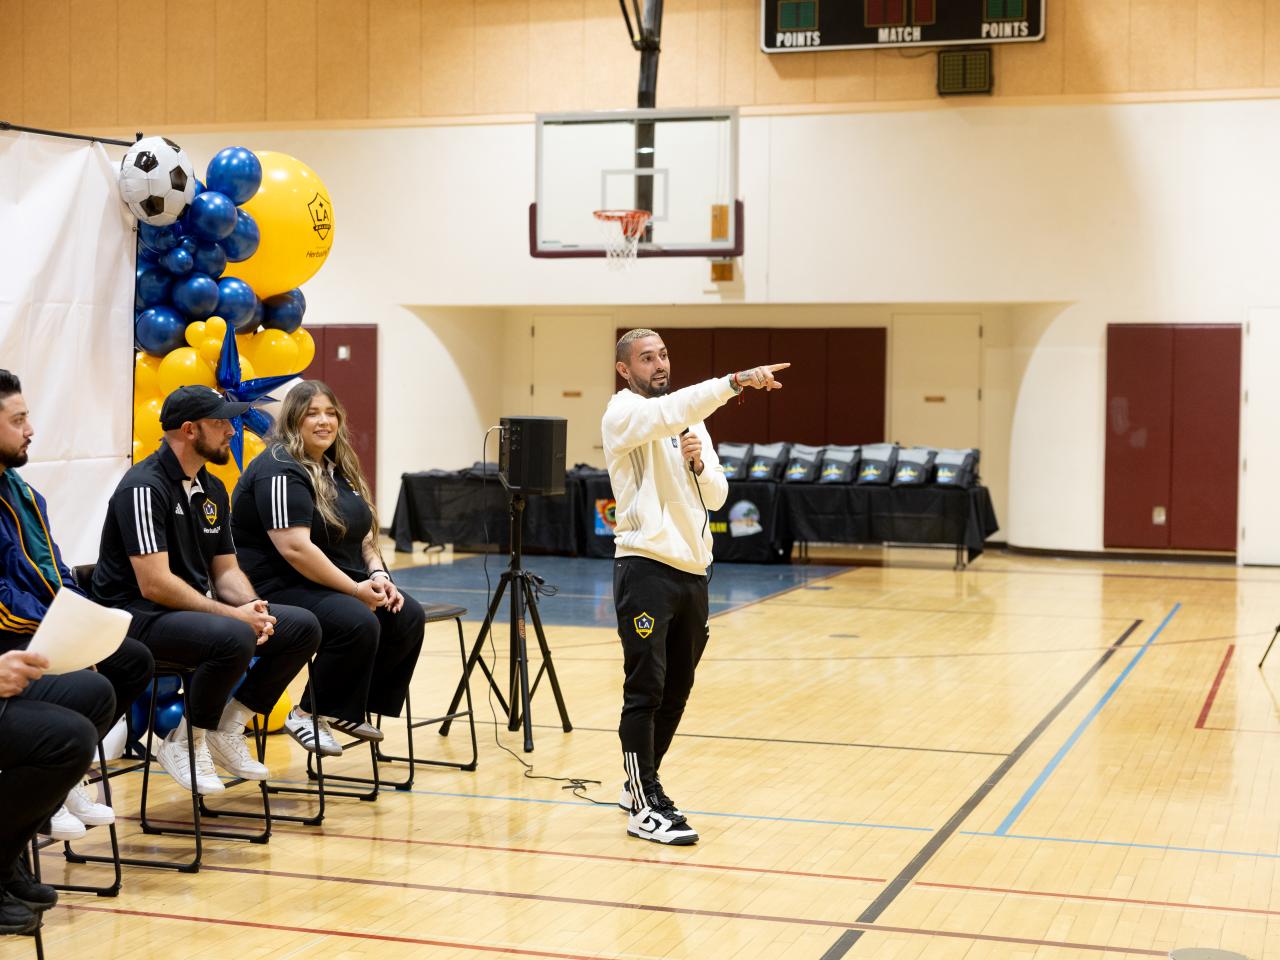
(665, 477)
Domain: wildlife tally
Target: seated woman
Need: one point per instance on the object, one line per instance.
(306, 533)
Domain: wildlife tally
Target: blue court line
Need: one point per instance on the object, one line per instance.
(1052, 765)
(1125, 843)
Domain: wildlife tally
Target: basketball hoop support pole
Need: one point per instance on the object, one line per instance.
(649, 44)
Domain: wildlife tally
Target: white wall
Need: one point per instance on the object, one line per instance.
(1072, 216)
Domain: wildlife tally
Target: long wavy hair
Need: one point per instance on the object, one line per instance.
(288, 432)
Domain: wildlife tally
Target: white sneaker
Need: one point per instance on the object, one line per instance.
(231, 753)
(300, 728)
(82, 805)
(658, 821)
(64, 825)
(172, 755)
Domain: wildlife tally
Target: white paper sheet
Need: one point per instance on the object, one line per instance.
(77, 633)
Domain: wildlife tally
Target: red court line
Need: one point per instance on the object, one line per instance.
(1213, 690)
(585, 856)
(321, 931)
(1100, 899)
(680, 911)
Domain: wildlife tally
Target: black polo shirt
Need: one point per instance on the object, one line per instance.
(152, 512)
(275, 492)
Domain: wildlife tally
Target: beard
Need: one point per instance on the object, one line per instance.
(214, 454)
(647, 388)
(18, 459)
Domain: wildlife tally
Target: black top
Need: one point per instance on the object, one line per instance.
(150, 512)
(275, 492)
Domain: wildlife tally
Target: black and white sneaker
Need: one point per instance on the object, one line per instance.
(305, 730)
(624, 798)
(661, 823)
(361, 731)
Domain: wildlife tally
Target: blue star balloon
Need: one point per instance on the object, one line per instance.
(229, 382)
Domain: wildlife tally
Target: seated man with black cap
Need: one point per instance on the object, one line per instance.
(167, 557)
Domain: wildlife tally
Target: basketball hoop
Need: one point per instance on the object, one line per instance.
(622, 230)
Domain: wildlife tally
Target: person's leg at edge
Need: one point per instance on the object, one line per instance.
(686, 641)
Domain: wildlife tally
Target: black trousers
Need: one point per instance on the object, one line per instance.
(218, 649)
(48, 735)
(128, 670)
(366, 657)
(662, 622)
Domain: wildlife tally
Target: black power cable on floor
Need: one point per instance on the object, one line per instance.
(576, 785)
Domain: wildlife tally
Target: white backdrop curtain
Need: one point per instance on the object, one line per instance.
(66, 324)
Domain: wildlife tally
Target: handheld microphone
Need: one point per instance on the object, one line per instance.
(690, 460)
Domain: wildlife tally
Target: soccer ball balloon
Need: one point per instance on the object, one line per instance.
(157, 180)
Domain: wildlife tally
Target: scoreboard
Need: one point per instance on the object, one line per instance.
(794, 26)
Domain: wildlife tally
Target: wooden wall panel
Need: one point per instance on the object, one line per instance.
(503, 56)
(1139, 435)
(1271, 43)
(1206, 437)
(556, 59)
(449, 58)
(709, 80)
(293, 63)
(190, 77)
(1097, 47)
(612, 70)
(678, 73)
(1034, 69)
(395, 58)
(342, 76)
(46, 63)
(143, 53)
(11, 60)
(845, 76)
(905, 78)
(789, 79)
(240, 59)
(1162, 54)
(1229, 40)
(741, 27)
(94, 62)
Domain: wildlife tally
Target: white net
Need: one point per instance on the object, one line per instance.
(621, 231)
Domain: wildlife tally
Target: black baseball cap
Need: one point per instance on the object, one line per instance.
(198, 403)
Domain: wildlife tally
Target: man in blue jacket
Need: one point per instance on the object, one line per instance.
(49, 725)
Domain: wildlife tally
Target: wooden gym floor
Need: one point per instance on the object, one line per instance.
(1030, 759)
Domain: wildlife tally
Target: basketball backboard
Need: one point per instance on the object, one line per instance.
(680, 165)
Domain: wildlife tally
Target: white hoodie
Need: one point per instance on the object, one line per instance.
(658, 512)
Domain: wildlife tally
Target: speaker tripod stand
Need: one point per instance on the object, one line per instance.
(524, 598)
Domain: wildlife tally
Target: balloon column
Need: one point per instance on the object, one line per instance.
(217, 298)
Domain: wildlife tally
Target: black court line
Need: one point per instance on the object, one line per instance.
(804, 743)
(845, 942)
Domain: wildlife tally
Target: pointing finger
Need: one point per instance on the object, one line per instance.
(776, 366)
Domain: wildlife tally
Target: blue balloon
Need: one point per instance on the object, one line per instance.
(235, 171)
(210, 260)
(200, 188)
(284, 311)
(153, 286)
(196, 295)
(169, 688)
(236, 302)
(211, 216)
(159, 239)
(243, 240)
(159, 330)
(252, 324)
(178, 261)
(188, 244)
(168, 716)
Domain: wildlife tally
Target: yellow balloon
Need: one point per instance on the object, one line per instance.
(138, 452)
(215, 328)
(228, 473)
(275, 720)
(253, 446)
(210, 351)
(184, 367)
(295, 222)
(273, 353)
(306, 348)
(146, 425)
(195, 333)
(144, 375)
(246, 369)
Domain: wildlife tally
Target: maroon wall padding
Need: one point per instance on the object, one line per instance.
(355, 381)
(856, 383)
(741, 348)
(1206, 437)
(798, 412)
(1139, 434)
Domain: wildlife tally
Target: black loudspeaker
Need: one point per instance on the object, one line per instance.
(531, 454)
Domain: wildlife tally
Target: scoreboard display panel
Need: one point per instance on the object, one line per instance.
(794, 26)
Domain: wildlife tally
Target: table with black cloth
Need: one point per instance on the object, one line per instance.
(852, 513)
(468, 508)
